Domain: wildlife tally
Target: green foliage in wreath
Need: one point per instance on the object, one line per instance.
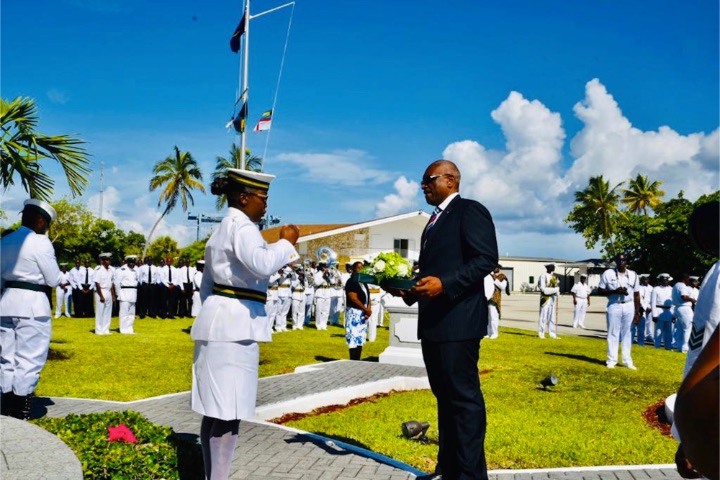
(158, 454)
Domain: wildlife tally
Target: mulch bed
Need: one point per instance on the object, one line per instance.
(655, 416)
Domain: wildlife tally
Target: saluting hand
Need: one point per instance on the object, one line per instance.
(290, 233)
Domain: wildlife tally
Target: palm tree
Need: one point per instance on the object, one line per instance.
(177, 175)
(22, 149)
(642, 194)
(600, 201)
(252, 163)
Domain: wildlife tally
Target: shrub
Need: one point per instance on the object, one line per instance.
(158, 454)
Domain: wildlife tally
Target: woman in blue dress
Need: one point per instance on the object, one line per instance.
(357, 312)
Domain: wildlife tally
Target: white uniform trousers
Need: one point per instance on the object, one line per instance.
(637, 331)
(308, 307)
(683, 327)
(298, 313)
(196, 304)
(271, 307)
(619, 319)
(547, 322)
(24, 345)
(649, 327)
(493, 330)
(284, 304)
(335, 308)
(663, 329)
(127, 317)
(381, 314)
(579, 312)
(373, 322)
(322, 312)
(103, 313)
(62, 301)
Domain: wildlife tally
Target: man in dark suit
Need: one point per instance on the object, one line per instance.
(458, 249)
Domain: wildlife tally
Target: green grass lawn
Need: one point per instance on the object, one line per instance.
(592, 417)
(158, 359)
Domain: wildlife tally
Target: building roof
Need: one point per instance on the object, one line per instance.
(273, 234)
(313, 232)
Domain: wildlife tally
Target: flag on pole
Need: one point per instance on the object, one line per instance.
(235, 39)
(238, 121)
(265, 122)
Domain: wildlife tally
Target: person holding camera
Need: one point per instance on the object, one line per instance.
(622, 287)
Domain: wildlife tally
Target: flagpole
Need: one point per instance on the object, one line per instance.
(245, 90)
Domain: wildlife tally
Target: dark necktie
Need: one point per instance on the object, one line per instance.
(433, 218)
(170, 273)
(87, 275)
(188, 274)
(150, 273)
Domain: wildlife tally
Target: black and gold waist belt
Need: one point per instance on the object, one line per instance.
(239, 293)
(27, 286)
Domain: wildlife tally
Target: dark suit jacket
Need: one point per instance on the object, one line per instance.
(460, 249)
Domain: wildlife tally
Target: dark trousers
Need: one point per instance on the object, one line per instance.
(76, 308)
(454, 379)
(87, 304)
(169, 302)
(185, 303)
(147, 300)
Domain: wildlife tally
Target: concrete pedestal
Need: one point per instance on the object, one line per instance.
(404, 346)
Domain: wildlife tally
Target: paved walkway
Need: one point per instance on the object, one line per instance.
(269, 451)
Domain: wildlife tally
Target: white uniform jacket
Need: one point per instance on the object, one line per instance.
(126, 284)
(27, 257)
(237, 256)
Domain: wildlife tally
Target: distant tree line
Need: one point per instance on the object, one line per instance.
(636, 220)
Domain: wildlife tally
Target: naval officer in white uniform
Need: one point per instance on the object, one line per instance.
(232, 320)
(126, 288)
(28, 272)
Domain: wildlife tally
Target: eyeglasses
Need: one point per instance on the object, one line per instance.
(427, 179)
(262, 197)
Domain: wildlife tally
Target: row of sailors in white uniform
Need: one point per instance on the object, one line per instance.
(124, 280)
(320, 292)
(164, 275)
(666, 303)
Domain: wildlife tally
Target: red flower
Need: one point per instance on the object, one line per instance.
(121, 433)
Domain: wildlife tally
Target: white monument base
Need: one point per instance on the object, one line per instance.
(402, 356)
(404, 346)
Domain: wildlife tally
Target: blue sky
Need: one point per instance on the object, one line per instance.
(529, 98)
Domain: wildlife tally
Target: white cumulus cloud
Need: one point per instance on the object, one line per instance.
(404, 200)
(341, 168)
(529, 191)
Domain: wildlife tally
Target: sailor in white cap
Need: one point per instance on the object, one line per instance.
(622, 287)
(662, 313)
(549, 291)
(126, 287)
(645, 334)
(63, 293)
(196, 282)
(105, 294)
(581, 301)
(232, 319)
(684, 303)
(28, 272)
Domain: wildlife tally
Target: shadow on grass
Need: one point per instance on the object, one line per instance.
(582, 358)
(322, 358)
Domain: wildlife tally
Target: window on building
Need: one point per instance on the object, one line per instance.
(532, 279)
(401, 246)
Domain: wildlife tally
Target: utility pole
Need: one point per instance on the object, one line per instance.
(102, 186)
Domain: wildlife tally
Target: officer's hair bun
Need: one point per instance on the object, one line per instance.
(220, 186)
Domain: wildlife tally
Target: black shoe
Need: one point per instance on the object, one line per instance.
(7, 403)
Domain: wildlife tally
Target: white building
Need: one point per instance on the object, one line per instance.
(401, 233)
